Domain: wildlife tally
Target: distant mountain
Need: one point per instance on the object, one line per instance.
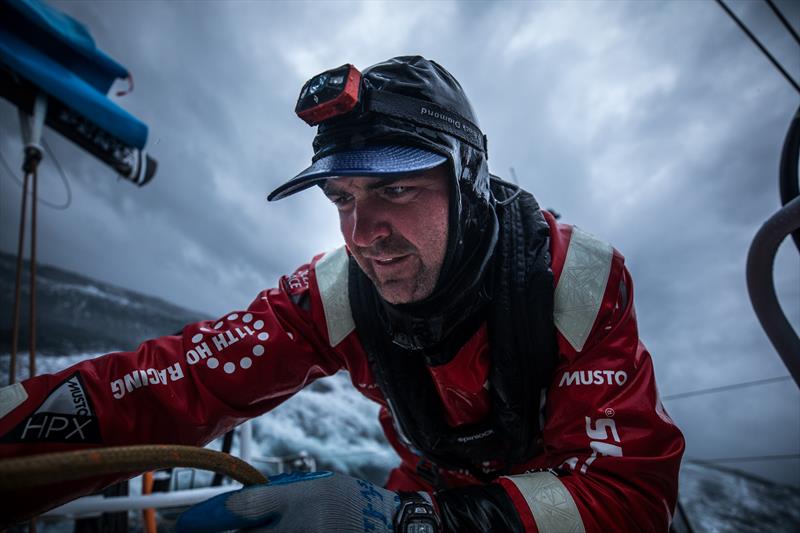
(77, 314)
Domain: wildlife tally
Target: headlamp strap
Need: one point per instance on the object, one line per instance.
(425, 114)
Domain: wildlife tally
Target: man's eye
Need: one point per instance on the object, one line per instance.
(340, 200)
(397, 191)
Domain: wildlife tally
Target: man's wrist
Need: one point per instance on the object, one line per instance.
(416, 514)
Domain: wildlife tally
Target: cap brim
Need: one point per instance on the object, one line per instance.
(370, 161)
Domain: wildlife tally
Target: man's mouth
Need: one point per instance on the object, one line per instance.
(390, 266)
(388, 260)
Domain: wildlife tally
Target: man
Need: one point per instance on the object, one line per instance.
(501, 345)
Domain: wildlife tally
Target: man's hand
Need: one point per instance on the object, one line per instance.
(319, 501)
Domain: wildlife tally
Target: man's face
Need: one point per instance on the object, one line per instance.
(396, 229)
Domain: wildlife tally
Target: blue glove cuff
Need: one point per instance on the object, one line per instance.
(295, 477)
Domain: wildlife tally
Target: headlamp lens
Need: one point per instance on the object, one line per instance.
(330, 94)
(317, 83)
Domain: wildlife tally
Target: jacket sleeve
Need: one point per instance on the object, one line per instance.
(182, 389)
(611, 453)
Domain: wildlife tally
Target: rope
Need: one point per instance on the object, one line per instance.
(12, 369)
(783, 20)
(61, 173)
(744, 459)
(726, 387)
(148, 515)
(759, 45)
(32, 266)
(32, 158)
(50, 468)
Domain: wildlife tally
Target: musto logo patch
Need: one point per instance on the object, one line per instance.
(66, 415)
(593, 377)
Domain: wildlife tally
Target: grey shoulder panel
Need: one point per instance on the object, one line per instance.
(550, 502)
(581, 287)
(11, 397)
(331, 271)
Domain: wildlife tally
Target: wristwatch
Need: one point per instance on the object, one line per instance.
(416, 515)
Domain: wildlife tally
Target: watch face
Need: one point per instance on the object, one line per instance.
(420, 525)
(417, 516)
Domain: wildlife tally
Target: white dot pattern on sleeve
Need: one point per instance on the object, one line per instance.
(244, 362)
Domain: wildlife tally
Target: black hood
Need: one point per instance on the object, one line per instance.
(441, 322)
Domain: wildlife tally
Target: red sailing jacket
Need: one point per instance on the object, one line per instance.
(610, 453)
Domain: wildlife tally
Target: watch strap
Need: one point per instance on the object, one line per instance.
(416, 507)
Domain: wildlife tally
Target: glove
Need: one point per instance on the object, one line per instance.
(317, 501)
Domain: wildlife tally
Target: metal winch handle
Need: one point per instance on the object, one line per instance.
(46, 469)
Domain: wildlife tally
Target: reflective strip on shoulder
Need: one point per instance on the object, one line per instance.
(550, 502)
(581, 286)
(332, 273)
(11, 397)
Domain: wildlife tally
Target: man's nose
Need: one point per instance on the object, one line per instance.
(369, 225)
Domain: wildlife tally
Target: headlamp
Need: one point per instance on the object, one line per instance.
(326, 95)
(336, 92)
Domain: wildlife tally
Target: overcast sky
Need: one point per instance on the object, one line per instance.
(655, 126)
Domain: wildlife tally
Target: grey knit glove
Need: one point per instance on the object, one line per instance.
(319, 501)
